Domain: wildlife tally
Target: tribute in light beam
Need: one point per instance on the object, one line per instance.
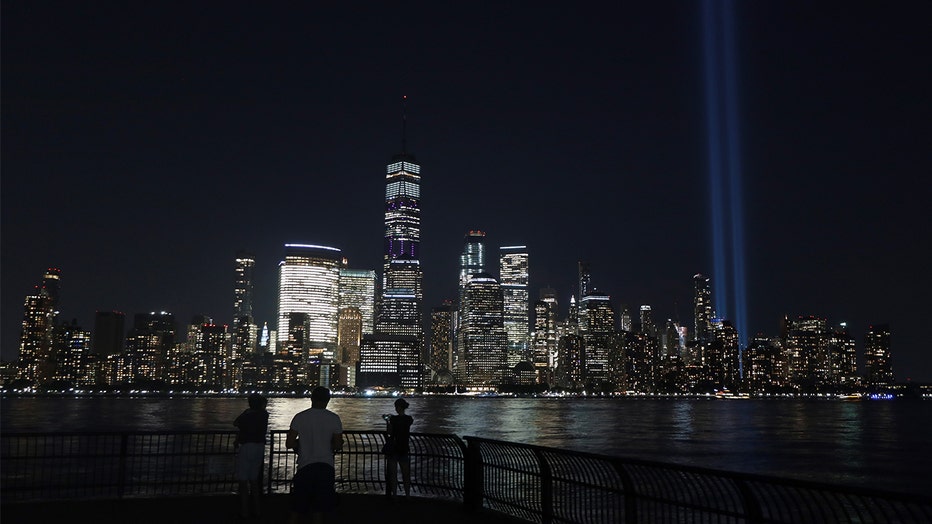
(724, 163)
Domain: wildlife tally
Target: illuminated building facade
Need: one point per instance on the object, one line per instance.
(36, 348)
(441, 341)
(309, 283)
(545, 338)
(349, 336)
(389, 361)
(244, 330)
(72, 354)
(400, 306)
(571, 368)
(597, 325)
(513, 269)
(723, 354)
(702, 308)
(357, 290)
(806, 352)
(877, 362)
(472, 259)
(758, 362)
(481, 337)
(843, 357)
(147, 347)
(208, 365)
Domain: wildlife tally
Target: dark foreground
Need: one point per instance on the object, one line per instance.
(225, 508)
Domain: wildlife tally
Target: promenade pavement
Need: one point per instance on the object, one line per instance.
(225, 509)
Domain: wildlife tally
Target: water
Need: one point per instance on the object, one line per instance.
(878, 444)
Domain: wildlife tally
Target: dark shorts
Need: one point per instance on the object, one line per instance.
(313, 489)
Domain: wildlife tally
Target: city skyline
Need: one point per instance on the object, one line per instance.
(120, 143)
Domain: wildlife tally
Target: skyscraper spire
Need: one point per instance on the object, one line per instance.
(404, 124)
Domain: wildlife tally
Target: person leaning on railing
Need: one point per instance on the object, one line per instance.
(253, 425)
(397, 448)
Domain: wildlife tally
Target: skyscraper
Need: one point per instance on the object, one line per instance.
(879, 370)
(702, 302)
(472, 259)
(585, 279)
(309, 282)
(402, 296)
(441, 341)
(357, 290)
(597, 325)
(36, 358)
(513, 266)
(243, 335)
(482, 340)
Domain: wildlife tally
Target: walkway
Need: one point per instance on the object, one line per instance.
(224, 509)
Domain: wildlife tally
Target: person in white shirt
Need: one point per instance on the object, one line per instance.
(316, 434)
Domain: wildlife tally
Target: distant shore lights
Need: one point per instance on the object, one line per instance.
(724, 163)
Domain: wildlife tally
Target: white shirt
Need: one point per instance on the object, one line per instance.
(315, 428)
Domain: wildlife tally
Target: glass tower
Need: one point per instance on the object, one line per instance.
(309, 282)
(400, 305)
(243, 335)
(357, 290)
(481, 335)
(513, 266)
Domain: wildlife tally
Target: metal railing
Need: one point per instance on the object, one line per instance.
(51, 466)
(547, 485)
(532, 483)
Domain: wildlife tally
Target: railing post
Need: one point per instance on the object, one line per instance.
(472, 473)
(546, 488)
(752, 511)
(124, 444)
(631, 503)
(268, 472)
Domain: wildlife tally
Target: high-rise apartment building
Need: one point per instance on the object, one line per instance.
(513, 269)
(243, 330)
(357, 290)
(309, 283)
(806, 352)
(481, 337)
(877, 362)
(147, 347)
(843, 358)
(36, 348)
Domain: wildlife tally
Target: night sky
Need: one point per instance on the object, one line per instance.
(144, 144)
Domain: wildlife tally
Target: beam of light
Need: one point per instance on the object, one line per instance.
(734, 175)
(713, 136)
(724, 163)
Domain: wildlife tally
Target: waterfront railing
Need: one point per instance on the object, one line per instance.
(532, 483)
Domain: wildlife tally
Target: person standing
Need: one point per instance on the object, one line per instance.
(316, 434)
(398, 451)
(253, 424)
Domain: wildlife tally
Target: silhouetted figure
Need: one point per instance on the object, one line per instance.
(253, 425)
(316, 434)
(399, 431)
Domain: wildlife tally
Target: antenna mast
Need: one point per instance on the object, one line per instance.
(404, 125)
